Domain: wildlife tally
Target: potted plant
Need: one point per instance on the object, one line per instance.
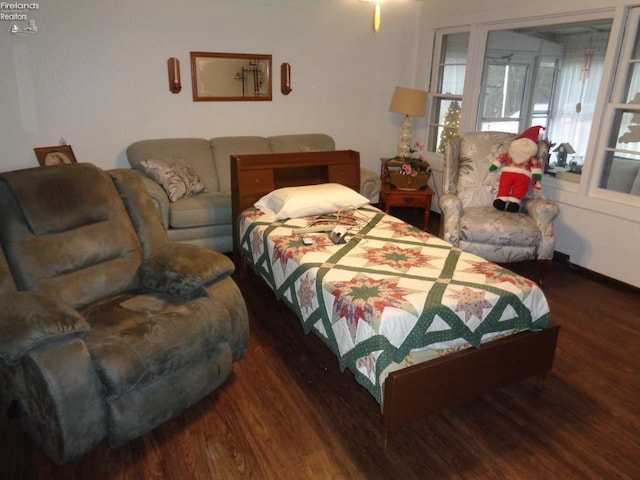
(410, 172)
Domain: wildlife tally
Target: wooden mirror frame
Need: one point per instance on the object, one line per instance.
(224, 77)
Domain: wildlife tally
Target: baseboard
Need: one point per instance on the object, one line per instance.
(563, 259)
(559, 258)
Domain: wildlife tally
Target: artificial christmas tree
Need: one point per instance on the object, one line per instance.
(451, 124)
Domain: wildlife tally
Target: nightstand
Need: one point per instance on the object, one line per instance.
(391, 196)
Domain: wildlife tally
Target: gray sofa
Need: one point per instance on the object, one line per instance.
(205, 218)
(106, 328)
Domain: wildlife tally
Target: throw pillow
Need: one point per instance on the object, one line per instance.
(177, 179)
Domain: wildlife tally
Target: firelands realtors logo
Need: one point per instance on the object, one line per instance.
(18, 15)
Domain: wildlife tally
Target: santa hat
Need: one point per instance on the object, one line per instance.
(532, 133)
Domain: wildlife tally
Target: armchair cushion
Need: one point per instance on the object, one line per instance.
(499, 228)
(28, 319)
(183, 269)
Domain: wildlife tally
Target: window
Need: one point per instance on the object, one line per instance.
(446, 98)
(518, 81)
(546, 76)
(620, 167)
(503, 102)
(578, 72)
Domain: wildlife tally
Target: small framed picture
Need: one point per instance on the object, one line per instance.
(57, 155)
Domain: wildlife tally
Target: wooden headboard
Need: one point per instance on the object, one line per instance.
(253, 176)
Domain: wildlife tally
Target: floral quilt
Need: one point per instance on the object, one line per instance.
(390, 291)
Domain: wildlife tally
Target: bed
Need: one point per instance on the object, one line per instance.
(422, 325)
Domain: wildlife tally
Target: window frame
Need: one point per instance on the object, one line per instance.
(629, 25)
(435, 96)
(593, 197)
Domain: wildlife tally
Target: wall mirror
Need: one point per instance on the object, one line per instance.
(222, 77)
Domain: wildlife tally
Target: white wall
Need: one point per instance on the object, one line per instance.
(95, 74)
(597, 234)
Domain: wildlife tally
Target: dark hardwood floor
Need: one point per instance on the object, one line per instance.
(289, 413)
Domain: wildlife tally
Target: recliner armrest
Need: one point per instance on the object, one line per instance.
(183, 269)
(29, 319)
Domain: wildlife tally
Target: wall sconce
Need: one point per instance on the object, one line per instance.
(376, 14)
(173, 65)
(285, 78)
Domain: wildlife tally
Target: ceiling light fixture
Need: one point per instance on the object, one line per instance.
(376, 14)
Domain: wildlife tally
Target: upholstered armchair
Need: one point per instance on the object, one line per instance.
(106, 328)
(469, 219)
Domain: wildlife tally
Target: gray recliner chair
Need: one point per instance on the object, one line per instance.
(106, 329)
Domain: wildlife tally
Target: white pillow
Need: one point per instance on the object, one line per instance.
(296, 202)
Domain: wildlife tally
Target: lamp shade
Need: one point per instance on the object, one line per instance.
(409, 102)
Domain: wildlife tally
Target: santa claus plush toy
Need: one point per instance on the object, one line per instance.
(520, 168)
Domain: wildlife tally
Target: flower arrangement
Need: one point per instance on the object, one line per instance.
(414, 162)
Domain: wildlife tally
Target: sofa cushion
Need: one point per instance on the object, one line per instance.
(210, 208)
(177, 179)
(304, 142)
(224, 147)
(193, 152)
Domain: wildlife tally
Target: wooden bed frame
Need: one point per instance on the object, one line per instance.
(419, 390)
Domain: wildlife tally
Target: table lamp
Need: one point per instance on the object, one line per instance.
(408, 102)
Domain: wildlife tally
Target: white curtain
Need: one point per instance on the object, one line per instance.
(579, 75)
